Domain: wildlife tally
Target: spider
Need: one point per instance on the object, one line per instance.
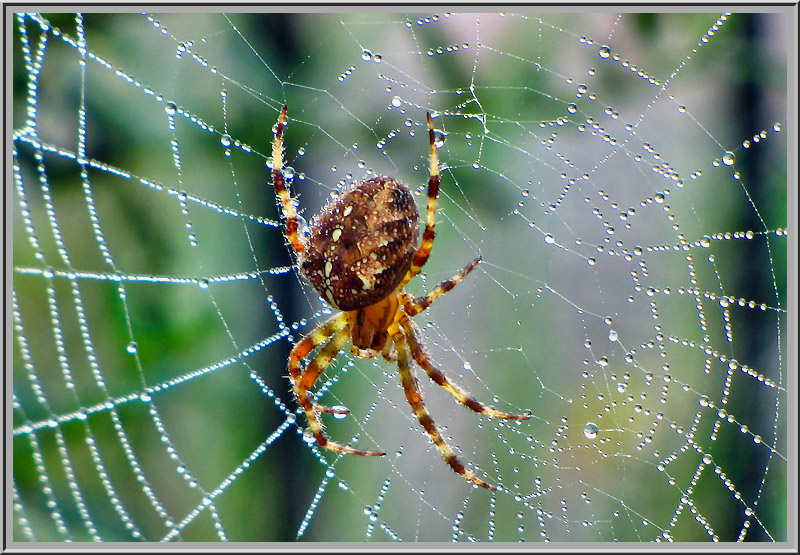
(359, 253)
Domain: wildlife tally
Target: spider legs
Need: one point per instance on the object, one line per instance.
(424, 250)
(335, 334)
(424, 360)
(311, 341)
(414, 398)
(405, 336)
(279, 183)
(387, 352)
(415, 306)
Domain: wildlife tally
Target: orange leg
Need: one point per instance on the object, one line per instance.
(414, 398)
(424, 250)
(415, 306)
(279, 183)
(438, 377)
(387, 352)
(335, 329)
(311, 341)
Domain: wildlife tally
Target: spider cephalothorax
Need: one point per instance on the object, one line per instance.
(359, 253)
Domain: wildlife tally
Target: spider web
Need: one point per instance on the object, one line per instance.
(623, 176)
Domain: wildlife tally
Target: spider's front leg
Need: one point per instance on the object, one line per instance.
(335, 334)
(423, 252)
(279, 184)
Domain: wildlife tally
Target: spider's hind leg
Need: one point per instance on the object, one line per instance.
(423, 359)
(414, 398)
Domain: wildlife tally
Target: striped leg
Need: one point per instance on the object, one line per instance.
(415, 306)
(279, 183)
(310, 342)
(414, 398)
(424, 250)
(335, 329)
(313, 340)
(438, 377)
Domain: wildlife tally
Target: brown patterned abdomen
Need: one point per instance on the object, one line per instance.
(362, 243)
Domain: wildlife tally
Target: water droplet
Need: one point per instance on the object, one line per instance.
(549, 239)
(366, 55)
(171, 108)
(590, 430)
(604, 52)
(225, 140)
(728, 158)
(572, 108)
(132, 348)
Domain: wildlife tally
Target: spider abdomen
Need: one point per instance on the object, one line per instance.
(361, 245)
